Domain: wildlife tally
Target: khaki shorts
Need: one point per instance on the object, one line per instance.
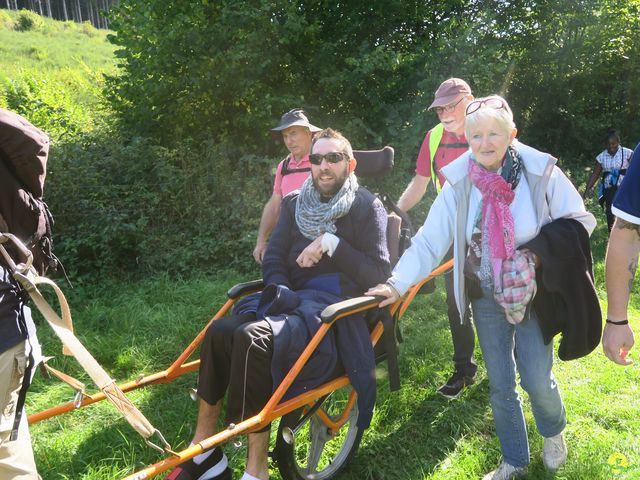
(16, 458)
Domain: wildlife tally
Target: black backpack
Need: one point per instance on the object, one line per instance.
(24, 151)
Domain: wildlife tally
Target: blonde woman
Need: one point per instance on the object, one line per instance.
(497, 197)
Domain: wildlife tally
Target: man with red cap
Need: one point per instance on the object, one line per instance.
(442, 144)
(291, 172)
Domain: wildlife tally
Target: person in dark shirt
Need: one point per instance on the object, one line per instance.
(329, 244)
(19, 348)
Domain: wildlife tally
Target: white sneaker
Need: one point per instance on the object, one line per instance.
(554, 452)
(505, 472)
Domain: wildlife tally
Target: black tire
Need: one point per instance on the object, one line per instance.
(315, 454)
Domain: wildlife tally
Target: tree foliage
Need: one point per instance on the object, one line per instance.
(134, 206)
(201, 82)
(228, 68)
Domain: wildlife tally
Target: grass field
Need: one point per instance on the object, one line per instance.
(416, 434)
(56, 46)
(60, 64)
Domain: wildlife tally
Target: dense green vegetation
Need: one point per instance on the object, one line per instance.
(170, 168)
(157, 177)
(371, 67)
(51, 72)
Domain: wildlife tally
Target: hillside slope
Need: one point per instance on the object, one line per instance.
(51, 64)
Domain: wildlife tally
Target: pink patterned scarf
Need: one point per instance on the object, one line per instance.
(498, 232)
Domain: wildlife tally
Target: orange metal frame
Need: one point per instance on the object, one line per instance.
(271, 411)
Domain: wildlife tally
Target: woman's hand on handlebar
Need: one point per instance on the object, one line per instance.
(384, 290)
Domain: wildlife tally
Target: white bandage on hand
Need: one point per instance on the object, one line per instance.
(329, 243)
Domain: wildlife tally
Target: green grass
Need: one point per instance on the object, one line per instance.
(61, 64)
(57, 46)
(415, 434)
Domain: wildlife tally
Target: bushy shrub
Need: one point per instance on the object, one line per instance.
(137, 207)
(26, 20)
(38, 53)
(68, 25)
(6, 21)
(41, 106)
(50, 104)
(88, 29)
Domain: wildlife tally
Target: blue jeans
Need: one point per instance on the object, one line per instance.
(505, 348)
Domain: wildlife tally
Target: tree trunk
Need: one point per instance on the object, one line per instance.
(64, 10)
(101, 14)
(95, 13)
(90, 12)
(105, 10)
(48, 5)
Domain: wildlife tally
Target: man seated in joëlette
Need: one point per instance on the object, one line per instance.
(329, 244)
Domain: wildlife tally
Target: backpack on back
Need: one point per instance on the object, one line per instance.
(23, 165)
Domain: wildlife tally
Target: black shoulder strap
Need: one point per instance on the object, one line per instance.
(285, 170)
(390, 338)
(26, 382)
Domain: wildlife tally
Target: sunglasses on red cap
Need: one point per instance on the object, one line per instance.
(331, 157)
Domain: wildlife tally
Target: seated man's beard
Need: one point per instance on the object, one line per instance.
(329, 191)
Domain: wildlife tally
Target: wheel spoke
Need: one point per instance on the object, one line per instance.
(319, 438)
(318, 453)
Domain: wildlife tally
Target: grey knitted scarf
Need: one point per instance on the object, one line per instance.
(315, 217)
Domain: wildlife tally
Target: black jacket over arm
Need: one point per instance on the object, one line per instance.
(566, 301)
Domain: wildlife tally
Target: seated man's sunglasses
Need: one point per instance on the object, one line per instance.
(331, 157)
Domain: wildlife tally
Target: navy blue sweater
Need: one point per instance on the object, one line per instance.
(360, 261)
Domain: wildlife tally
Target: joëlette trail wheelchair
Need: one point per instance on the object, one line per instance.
(317, 434)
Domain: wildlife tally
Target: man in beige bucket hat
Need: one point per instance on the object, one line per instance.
(297, 133)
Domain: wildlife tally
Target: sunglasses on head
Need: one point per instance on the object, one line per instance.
(331, 157)
(495, 103)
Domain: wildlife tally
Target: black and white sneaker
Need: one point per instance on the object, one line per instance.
(456, 384)
(214, 467)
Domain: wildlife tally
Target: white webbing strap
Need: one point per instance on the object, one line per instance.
(63, 327)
